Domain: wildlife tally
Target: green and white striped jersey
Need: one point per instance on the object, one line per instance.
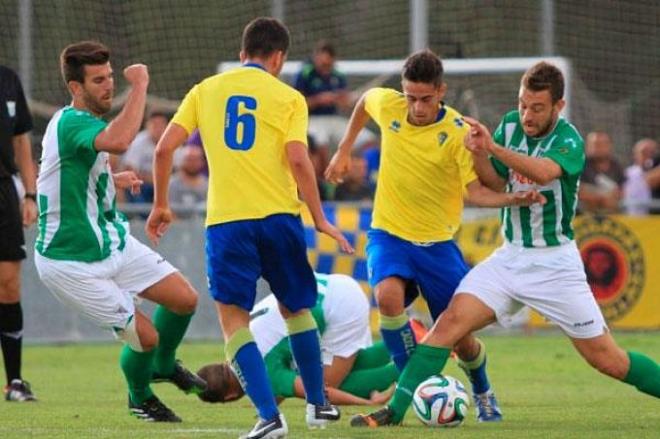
(548, 225)
(78, 220)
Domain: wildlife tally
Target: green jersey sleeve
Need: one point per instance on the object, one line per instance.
(498, 137)
(280, 373)
(567, 150)
(78, 130)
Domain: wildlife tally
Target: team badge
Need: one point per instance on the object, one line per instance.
(614, 264)
(395, 126)
(442, 137)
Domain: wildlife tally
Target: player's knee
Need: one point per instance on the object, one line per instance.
(143, 340)
(148, 340)
(389, 302)
(10, 286)
(186, 303)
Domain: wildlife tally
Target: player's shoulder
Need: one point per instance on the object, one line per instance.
(453, 119)
(512, 116)
(567, 130)
(385, 96)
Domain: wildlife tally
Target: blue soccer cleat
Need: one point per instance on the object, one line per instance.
(487, 408)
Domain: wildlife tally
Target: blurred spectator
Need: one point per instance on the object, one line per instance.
(325, 90)
(355, 186)
(140, 155)
(603, 177)
(326, 189)
(195, 139)
(189, 185)
(636, 190)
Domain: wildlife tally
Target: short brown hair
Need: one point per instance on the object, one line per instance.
(220, 381)
(544, 76)
(76, 56)
(325, 46)
(423, 66)
(263, 36)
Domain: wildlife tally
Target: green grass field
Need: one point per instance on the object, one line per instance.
(544, 389)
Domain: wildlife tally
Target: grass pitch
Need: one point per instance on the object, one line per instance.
(544, 388)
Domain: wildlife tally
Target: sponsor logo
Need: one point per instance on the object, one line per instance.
(11, 108)
(582, 324)
(614, 264)
(395, 126)
(459, 122)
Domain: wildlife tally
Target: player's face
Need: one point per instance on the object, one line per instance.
(423, 101)
(98, 89)
(537, 112)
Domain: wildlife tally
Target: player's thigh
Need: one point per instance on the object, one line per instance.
(81, 286)
(232, 262)
(439, 268)
(174, 292)
(563, 296)
(387, 256)
(283, 254)
(466, 313)
(139, 267)
(603, 353)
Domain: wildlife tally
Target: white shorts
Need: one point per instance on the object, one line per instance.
(346, 311)
(329, 130)
(550, 280)
(104, 291)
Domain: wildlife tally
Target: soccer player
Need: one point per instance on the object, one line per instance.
(85, 253)
(356, 372)
(424, 172)
(254, 130)
(15, 156)
(539, 264)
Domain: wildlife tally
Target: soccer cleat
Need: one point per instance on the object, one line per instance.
(272, 429)
(487, 408)
(379, 418)
(152, 410)
(318, 416)
(183, 379)
(19, 391)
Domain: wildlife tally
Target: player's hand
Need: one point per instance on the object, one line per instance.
(158, 222)
(128, 180)
(381, 398)
(527, 198)
(478, 139)
(137, 75)
(335, 233)
(30, 212)
(338, 167)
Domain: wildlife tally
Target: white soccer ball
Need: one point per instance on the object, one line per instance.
(441, 401)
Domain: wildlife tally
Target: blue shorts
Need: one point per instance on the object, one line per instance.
(433, 270)
(238, 252)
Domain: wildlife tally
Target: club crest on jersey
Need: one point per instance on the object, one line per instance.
(442, 137)
(395, 126)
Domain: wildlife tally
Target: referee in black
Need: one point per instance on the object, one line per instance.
(15, 157)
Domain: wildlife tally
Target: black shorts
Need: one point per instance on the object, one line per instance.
(12, 240)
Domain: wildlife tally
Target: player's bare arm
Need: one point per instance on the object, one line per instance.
(480, 195)
(118, 135)
(341, 160)
(540, 170)
(303, 172)
(23, 159)
(161, 215)
(127, 180)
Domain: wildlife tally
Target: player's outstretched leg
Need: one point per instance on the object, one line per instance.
(304, 340)
(475, 368)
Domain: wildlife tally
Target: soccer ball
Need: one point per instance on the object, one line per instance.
(441, 401)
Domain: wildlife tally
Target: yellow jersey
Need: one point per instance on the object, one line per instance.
(246, 116)
(423, 170)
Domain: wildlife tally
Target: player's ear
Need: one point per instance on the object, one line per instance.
(559, 105)
(74, 87)
(442, 89)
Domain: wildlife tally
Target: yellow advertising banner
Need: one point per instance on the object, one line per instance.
(620, 253)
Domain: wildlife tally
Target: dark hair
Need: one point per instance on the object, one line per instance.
(423, 66)
(325, 46)
(263, 36)
(544, 76)
(220, 381)
(159, 113)
(76, 56)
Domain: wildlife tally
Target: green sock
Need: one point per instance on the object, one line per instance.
(644, 373)
(375, 355)
(171, 327)
(137, 368)
(425, 361)
(364, 381)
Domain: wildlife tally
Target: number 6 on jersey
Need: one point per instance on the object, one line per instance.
(234, 119)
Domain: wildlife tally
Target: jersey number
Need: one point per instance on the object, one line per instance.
(233, 119)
